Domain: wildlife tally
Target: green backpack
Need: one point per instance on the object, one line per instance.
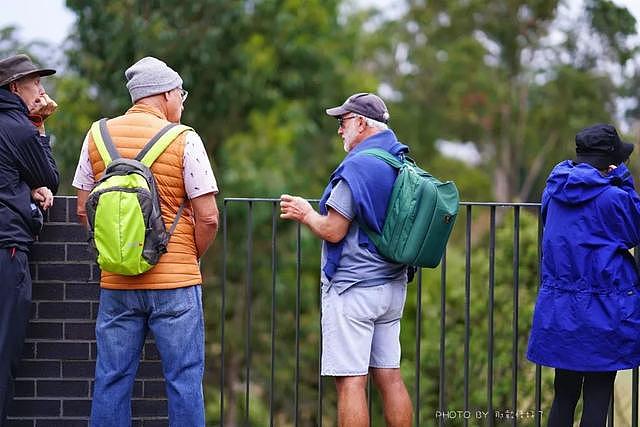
(123, 209)
(420, 216)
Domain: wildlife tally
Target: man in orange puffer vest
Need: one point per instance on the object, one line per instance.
(168, 298)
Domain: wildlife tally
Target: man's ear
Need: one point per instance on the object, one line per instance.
(13, 87)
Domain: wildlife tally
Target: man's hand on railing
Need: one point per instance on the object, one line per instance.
(331, 227)
(294, 207)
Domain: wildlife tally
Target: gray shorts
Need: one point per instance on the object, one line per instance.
(361, 328)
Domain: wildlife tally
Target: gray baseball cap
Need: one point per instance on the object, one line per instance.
(366, 104)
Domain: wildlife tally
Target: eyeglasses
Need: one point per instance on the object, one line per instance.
(183, 94)
(341, 120)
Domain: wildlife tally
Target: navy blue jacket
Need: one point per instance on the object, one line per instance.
(587, 315)
(26, 163)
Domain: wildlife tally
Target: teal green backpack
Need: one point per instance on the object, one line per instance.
(420, 216)
(123, 209)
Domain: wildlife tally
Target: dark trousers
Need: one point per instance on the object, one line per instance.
(15, 308)
(596, 388)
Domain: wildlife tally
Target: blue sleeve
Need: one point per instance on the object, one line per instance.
(622, 216)
(36, 164)
(545, 206)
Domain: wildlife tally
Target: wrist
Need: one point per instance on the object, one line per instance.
(37, 120)
(306, 217)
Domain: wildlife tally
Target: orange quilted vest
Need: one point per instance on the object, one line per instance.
(179, 266)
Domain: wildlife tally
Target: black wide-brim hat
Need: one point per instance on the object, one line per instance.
(18, 66)
(600, 146)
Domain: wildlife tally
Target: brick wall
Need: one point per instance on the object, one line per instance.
(55, 379)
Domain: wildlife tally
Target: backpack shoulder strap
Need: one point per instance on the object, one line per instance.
(155, 147)
(375, 237)
(177, 218)
(384, 156)
(104, 143)
(160, 142)
(392, 161)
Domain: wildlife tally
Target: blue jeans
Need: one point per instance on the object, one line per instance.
(175, 318)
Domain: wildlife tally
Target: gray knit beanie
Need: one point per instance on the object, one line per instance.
(150, 76)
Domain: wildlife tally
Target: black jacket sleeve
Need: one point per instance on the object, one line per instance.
(36, 163)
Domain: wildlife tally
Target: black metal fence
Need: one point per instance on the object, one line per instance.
(465, 326)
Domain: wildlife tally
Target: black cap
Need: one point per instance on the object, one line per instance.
(17, 66)
(366, 104)
(600, 146)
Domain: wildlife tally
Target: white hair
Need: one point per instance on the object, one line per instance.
(374, 123)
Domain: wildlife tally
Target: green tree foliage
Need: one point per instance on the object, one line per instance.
(490, 72)
(243, 62)
(614, 25)
(76, 111)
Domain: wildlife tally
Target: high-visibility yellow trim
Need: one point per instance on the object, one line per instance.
(163, 143)
(102, 148)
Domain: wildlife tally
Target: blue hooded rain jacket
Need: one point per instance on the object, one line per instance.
(587, 315)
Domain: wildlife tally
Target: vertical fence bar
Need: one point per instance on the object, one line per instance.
(320, 382)
(611, 404)
(443, 319)
(369, 399)
(538, 392)
(222, 306)
(274, 266)
(298, 274)
(516, 291)
(492, 256)
(248, 312)
(467, 311)
(418, 278)
(634, 371)
(538, 387)
(634, 397)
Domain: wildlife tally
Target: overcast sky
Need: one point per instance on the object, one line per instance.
(51, 21)
(47, 20)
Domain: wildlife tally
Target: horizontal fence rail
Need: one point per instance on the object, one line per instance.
(464, 330)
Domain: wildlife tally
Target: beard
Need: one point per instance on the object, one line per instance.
(347, 141)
